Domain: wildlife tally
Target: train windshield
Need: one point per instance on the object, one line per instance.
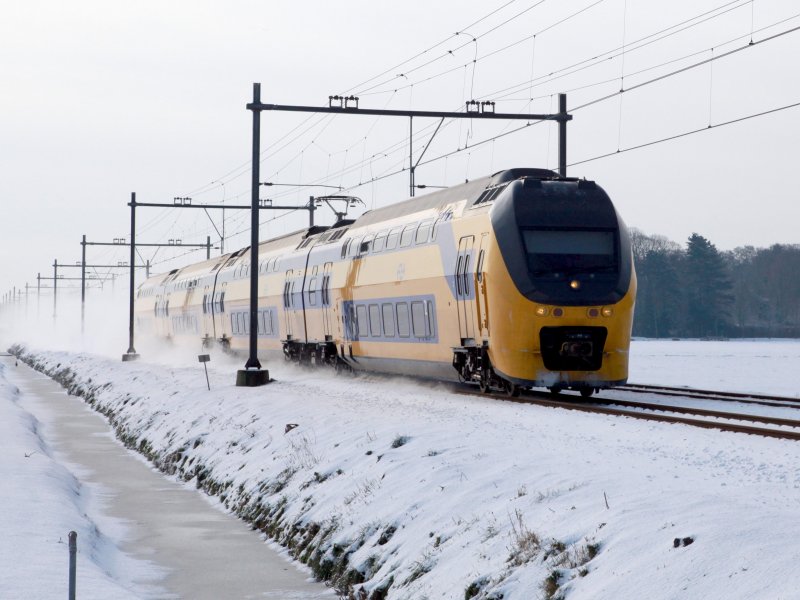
(568, 252)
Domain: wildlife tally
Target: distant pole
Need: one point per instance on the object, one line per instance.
(55, 286)
(562, 135)
(83, 280)
(131, 353)
(311, 209)
(38, 292)
(147, 269)
(73, 551)
(208, 247)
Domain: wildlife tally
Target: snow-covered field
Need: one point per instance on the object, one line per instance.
(384, 484)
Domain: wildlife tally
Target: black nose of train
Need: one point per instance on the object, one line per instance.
(576, 349)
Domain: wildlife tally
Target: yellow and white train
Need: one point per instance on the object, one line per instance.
(517, 280)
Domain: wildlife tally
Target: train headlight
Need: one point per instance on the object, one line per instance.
(607, 311)
(557, 312)
(575, 284)
(593, 312)
(541, 311)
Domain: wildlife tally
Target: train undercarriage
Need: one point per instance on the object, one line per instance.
(474, 366)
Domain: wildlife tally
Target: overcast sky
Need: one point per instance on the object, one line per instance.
(103, 98)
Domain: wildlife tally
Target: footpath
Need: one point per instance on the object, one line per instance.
(142, 535)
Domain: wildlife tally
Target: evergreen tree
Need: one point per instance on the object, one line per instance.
(708, 289)
(659, 300)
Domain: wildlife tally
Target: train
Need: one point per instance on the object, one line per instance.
(517, 280)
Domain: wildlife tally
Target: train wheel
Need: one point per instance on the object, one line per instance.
(511, 389)
(484, 385)
(555, 390)
(587, 392)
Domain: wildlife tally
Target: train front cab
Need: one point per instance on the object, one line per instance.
(561, 287)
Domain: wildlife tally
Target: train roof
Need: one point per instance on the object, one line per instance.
(470, 191)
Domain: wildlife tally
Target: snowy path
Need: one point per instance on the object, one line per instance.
(200, 551)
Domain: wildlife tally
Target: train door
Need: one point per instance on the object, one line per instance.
(208, 314)
(188, 314)
(481, 303)
(221, 326)
(465, 290)
(288, 301)
(327, 319)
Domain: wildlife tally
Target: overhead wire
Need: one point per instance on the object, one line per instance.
(360, 164)
(686, 133)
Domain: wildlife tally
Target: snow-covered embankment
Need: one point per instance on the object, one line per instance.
(403, 490)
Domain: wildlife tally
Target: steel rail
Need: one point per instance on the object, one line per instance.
(662, 390)
(700, 412)
(544, 399)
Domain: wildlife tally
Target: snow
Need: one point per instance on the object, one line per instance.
(433, 490)
(42, 500)
(755, 366)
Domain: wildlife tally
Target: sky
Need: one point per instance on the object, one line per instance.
(104, 98)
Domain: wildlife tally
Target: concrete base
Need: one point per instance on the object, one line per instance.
(252, 377)
(128, 356)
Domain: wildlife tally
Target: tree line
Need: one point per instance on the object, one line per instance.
(699, 291)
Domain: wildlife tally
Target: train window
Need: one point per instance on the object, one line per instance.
(374, 320)
(408, 235)
(458, 275)
(479, 268)
(391, 240)
(418, 319)
(350, 322)
(326, 281)
(246, 319)
(431, 319)
(234, 323)
(362, 326)
(366, 244)
(435, 228)
(352, 249)
(312, 291)
(388, 320)
(552, 251)
(467, 274)
(380, 242)
(166, 309)
(344, 248)
(270, 323)
(423, 232)
(403, 326)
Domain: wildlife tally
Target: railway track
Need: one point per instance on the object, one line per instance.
(611, 402)
(662, 390)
